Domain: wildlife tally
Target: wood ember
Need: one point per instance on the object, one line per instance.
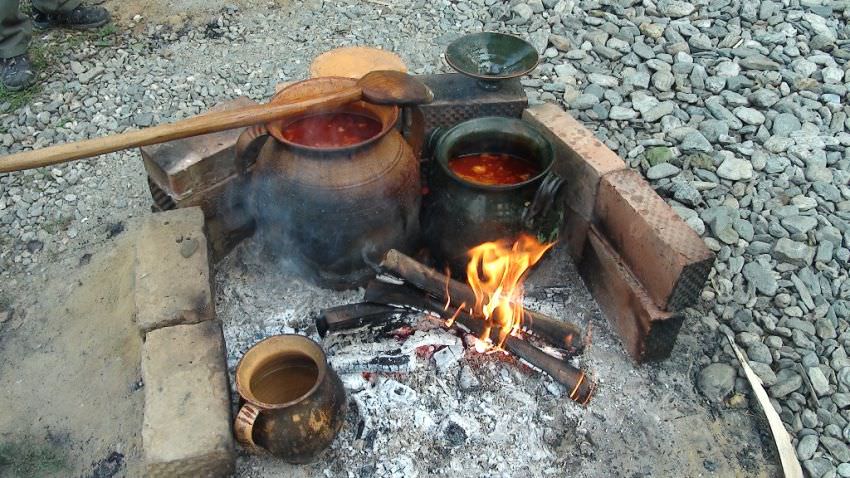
(557, 332)
(579, 385)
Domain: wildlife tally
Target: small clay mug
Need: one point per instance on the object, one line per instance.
(293, 403)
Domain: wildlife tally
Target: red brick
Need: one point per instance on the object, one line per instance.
(665, 254)
(580, 158)
(647, 332)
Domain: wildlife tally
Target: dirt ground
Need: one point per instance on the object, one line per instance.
(173, 12)
(70, 400)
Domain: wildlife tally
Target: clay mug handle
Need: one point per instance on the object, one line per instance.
(248, 146)
(244, 427)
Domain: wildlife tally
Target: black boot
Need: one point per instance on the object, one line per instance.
(81, 18)
(17, 72)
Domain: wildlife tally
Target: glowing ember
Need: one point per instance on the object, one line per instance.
(496, 272)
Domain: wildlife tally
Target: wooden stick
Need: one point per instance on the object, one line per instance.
(579, 385)
(381, 87)
(198, 125)
(787, 454)
(559, 333)
(352, 316)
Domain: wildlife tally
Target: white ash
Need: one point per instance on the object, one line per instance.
(447, 410)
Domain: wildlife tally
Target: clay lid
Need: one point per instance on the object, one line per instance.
(354, 62)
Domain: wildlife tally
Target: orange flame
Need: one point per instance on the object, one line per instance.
(496, 272)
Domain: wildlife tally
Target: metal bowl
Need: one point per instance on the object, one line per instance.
(491, 57)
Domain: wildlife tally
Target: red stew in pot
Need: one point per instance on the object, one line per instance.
(493, 168)
(332, 130)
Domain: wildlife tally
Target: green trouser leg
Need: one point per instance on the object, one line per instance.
(15, 30)
(54, 6)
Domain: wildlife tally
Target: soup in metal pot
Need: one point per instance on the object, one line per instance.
(493, 169)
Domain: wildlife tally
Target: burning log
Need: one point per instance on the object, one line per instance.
(557, 332)
(352, 316)
(577, 382)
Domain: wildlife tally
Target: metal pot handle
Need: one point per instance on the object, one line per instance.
(248, 146)
(544, 199)
(243, 428)
(431, 141)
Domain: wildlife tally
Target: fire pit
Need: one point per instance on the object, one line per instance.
(431, 363)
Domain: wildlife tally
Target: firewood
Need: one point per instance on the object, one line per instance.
(559, 333)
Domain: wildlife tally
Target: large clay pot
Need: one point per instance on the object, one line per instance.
(334, 210)
(298, 427)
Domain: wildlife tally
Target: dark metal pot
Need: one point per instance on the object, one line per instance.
(332, 210)
(459, 214)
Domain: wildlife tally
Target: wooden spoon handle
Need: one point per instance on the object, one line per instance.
(198, 125)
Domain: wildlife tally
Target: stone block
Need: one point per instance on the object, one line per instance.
(580, 158)
(668, 258)
(187, 422)
(173, 277)
(201, 171)
(647, 332)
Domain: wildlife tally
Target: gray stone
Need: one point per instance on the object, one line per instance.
(764, 97)
(716, 381)
(584, 101)
(818, 467)
(662, 170)
(695, 142)
(522, 12)
(799, 224)
(832, 75)
(785, 123)
(749, 115)
(806, 447)
(793, 252)
(837, 448)
(735, 169)
(713, 129)
(643, 102)
(758, 62)
(721, 220)
(759, 352)
(819, 381)
(675, 8)
(727, 69)
(657, 112)
(662, 80)
(786, 383)
(621, 113)
(764, 372)
(761, 277)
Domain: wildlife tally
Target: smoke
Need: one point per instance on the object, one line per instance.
(315, 219)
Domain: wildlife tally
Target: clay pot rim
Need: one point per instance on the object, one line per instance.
(443, 160)
(244, 390)
(276, 128)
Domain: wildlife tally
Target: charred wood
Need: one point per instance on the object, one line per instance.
(561, 334)
(579, 385)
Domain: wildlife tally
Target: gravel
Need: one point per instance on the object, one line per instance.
(736, 112)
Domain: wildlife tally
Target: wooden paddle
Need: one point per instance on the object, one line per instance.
(381, 87)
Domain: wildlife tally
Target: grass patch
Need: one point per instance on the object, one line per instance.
(30, 459)
(43, 56)
(17, 99)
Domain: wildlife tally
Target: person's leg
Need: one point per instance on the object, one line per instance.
(15, 35)
(15, 30)
(67, 13)
(55, 6)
